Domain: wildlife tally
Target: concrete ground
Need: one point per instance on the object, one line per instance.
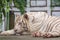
(26, 37)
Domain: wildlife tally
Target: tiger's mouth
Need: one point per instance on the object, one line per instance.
(20, 33)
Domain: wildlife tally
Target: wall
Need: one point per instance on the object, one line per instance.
(40, 6)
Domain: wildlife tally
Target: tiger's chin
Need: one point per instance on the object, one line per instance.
(18, 33)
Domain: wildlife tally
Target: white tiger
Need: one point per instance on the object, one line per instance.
(36, 23)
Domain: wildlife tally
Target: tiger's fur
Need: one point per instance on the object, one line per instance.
(38, 22)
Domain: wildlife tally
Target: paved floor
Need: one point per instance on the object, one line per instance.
(26, 37)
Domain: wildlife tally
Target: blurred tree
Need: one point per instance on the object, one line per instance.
(5, 7)
(55, 3)
(20, 4)
(0, 17)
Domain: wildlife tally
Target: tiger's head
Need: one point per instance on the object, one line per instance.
(21, 23)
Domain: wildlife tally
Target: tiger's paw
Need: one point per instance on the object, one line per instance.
(48, 35)
(36, 34)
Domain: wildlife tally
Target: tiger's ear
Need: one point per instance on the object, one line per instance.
(17, 15)
(26, 16)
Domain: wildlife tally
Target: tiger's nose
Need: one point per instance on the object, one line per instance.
(15, 30)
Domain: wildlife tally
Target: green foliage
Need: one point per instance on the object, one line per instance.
(4, 6)
(55, 3)
(20, 4)
(0, 17)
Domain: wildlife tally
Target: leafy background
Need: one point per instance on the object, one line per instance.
(55, 3)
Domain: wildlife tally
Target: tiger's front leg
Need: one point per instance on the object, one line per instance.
(9, 32)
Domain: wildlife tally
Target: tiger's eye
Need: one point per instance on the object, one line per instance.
(19, 23)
